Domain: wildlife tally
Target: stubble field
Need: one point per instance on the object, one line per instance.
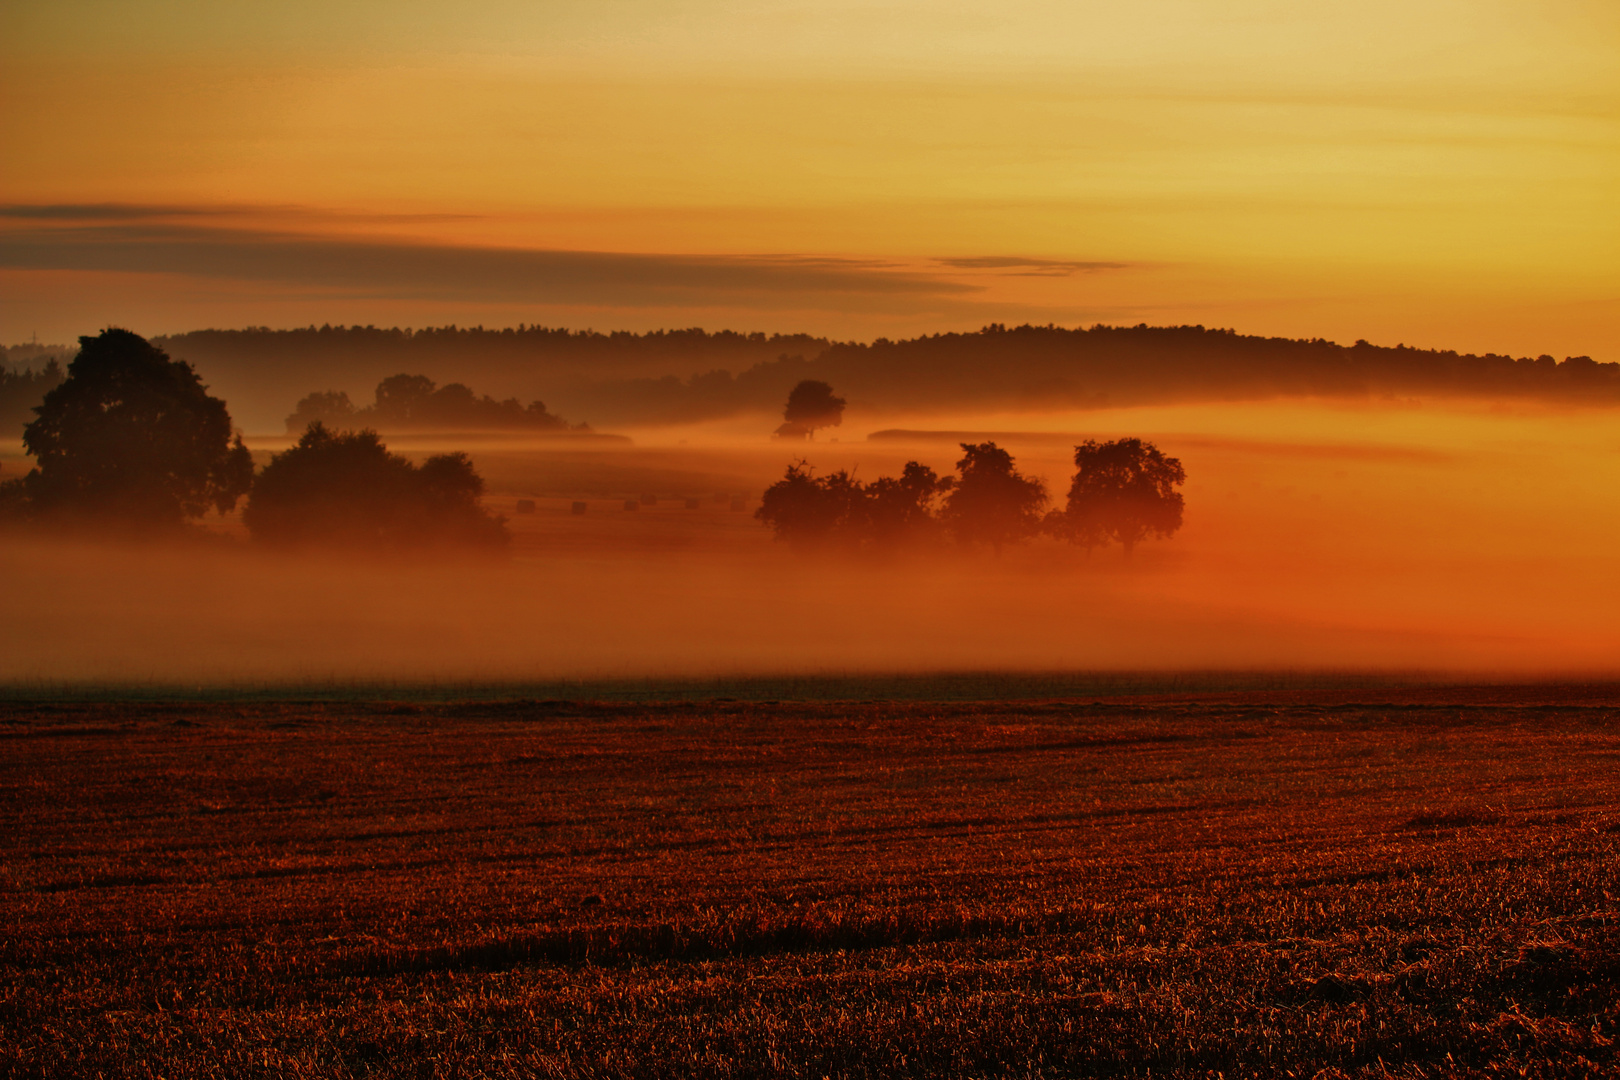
(1368, 882)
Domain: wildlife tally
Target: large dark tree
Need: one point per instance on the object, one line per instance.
(901, 509)
(809, 511)
(1123, 491)
(811, 405)
(345, 490)
(817, 511)
(991, 502)
(133, 436)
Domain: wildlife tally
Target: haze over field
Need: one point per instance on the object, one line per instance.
(1022, 223)
(1316, 538)
(757, 538)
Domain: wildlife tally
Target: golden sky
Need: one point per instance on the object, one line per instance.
(1435, 172)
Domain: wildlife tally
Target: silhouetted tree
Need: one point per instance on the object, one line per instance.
(133, 436)
(330, 407)
(806, 510)
(902, 509)
(416, 401)
(1123, 490)
(688, 375)
(991, 502)
(811, 405)
(346, 490)
(398, 396)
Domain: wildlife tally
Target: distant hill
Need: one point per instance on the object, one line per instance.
(263, 373)
(624, 378)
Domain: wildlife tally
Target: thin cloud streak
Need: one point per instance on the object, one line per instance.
(1022, 267)
(123, 242)
(119, 211)
(105, 212)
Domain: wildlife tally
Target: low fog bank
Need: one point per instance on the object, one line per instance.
(95, 615)
(1315, 539)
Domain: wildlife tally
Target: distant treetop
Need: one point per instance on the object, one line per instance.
(1123, 491)
(684, 375)
(415, 402)
(345, 490)
(23, 388)
(811, 405)
(991, 501)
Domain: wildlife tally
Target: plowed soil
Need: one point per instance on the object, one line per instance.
(1416, 883)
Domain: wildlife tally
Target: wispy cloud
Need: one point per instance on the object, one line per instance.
(117, 211)
(104, 211)
(1030, 267)
(175, 240)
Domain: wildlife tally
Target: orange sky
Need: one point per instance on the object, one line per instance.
(1437, 172)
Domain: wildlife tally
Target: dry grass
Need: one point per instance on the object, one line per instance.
(1266, 885)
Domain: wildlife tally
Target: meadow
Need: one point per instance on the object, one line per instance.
(1361, 881)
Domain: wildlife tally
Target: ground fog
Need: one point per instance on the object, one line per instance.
(1393, 537)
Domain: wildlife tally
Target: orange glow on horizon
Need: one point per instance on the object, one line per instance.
(1432, 173)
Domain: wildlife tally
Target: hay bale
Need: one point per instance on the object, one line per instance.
(578, 508)
(649, 500)
(525, 506)
(693, 504)
(632, 504)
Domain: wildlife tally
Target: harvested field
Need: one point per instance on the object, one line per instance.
(1413, 882)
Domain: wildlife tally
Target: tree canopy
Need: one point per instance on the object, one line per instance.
(406, 402)
(901, 509)
(809, 511)
(811, 405)
(991, 502)
(132, 436)
(345, 490)
(1123, 491)
(1000, 506)
(680, 376)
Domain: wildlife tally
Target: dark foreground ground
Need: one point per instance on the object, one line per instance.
(1260, 884)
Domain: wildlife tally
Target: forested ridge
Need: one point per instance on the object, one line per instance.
(672, 375)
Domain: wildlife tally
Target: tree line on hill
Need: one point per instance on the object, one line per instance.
(417, 403)
(1123, 491)
(671, 376)
(23, 388)
(131, 440)
(273, 368)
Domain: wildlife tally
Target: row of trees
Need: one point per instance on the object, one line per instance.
(22, 389)
(406, 402)
(344, 489)
(1122, 492)
(133, 439)
(689, 375)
